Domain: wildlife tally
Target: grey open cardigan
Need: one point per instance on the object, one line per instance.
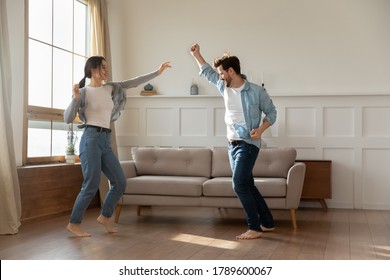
(118, 97)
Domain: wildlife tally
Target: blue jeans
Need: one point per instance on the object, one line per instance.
(242, 157)
(96, 155)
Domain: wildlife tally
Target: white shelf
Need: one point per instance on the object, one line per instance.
(173, 96)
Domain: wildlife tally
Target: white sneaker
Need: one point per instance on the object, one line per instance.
(265, 229)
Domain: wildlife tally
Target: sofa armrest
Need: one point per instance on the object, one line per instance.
(128, 167)
(295, 179)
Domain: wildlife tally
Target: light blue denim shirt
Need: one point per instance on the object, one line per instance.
(255, 101)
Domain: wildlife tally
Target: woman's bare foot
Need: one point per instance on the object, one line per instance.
(107, 224)
(76, 230)
(250, 234)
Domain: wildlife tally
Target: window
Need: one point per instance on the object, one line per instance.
(57, 51)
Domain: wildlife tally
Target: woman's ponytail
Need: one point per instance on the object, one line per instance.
(82, 82)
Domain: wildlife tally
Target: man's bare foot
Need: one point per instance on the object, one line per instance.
(250, 234)
(107, 224)
(76, 230)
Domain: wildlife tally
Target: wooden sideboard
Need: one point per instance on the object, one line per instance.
(50, 190)
(318, 181)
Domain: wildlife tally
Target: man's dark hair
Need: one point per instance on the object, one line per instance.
(227, 61)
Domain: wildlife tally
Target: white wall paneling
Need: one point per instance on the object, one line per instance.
(373, 120)
(193, 122)
(352, 131)
(376, 178)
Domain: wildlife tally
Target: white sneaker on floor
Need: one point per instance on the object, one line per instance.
(265, 229)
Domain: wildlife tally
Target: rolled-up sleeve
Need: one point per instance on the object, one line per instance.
(268, 107)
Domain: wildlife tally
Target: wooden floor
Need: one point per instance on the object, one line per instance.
(182, 233)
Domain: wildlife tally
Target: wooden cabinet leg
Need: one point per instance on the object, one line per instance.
(118, 209)
(323, 204)
(293, 218)
(138, 210)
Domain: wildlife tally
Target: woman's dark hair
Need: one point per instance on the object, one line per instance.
(93, 62)
(228, 61)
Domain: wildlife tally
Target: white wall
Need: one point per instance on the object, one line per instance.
(326, 65)
(301, 46)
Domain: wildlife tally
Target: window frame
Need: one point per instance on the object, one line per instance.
(47, 114)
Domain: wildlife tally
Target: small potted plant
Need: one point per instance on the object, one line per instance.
(70, 151)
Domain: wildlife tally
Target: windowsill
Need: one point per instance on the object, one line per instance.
(44, 165)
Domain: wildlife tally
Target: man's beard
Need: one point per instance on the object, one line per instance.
(228, 81)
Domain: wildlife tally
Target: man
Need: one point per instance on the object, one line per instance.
(244, 103)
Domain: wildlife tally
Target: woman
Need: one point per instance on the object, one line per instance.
(98, 104)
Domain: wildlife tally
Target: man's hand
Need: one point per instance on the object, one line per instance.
(195, 51)
(256, 133)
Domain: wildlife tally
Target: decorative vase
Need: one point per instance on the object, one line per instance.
(194, 90)
(148, 87)
(71, 159)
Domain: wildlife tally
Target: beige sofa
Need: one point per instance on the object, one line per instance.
(202, 177)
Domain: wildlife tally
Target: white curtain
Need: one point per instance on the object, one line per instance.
(10, 205)
(100, 45)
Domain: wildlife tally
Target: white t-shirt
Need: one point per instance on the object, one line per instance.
(234, 113)
(99, 105)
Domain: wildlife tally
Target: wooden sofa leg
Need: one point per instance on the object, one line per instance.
(118, 209)
(138, 210)
(293, 218)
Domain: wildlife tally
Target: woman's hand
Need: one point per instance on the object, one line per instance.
(163, 67)
(76, 91)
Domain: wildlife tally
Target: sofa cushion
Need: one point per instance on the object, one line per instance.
(172, 161)
(220, 163)
(271, 162)
(165, 185)
(274, 162)
(222, 187)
